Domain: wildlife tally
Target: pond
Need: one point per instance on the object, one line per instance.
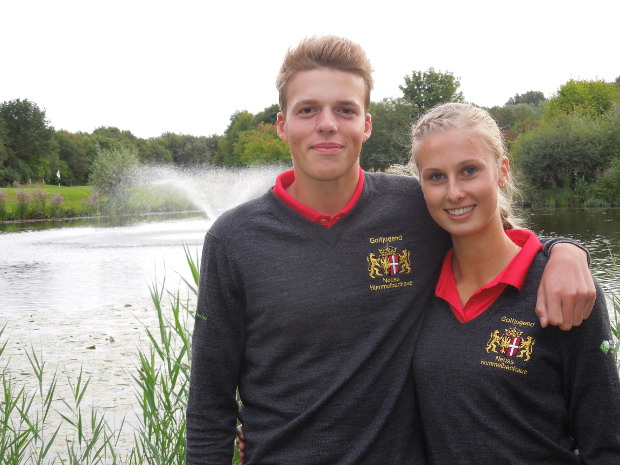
(55, 270)
(597, 229)
(78, 292)
(75, 286)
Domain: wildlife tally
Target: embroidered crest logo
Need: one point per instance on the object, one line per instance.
(511, 344)
(389, 262)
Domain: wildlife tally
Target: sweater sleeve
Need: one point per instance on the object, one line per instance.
(592, 387)
(217, 353)
(549, 242)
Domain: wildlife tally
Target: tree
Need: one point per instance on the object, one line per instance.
(613, 118)
(517, 119)
(32, 153)
(585, 98)
(533, 97)
(107, 137)
(426, 89)
(188, 151)
(111, 169)
(262, 146)
(390, 139)
(77, 151)
(565, 151)
(268, 115)
(151, 151)
(239, 122)
(5, 172)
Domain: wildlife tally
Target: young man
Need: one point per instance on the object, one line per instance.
(310, 295)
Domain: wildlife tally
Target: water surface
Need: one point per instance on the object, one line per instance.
(69, 289)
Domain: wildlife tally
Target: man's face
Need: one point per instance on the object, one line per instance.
(325, 125)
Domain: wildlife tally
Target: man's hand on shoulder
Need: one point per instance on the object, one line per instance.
(566, 293)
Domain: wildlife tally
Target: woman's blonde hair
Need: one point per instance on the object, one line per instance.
(330, 52)
(467, 117)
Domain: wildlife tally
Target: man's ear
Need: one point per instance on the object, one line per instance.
(367, 127)
(281, 127)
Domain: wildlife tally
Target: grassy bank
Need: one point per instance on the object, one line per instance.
(604, 192)
(53, 202)
(45, 201)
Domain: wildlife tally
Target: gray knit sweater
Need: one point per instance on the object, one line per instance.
(315, 327)
(501, 389)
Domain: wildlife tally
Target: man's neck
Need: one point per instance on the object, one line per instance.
(325, 197)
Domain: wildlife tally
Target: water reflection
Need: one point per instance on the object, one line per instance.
(100, 221)
(66, 287)
(81, 265)
(82, 268)
(598, 230)
(68, 292)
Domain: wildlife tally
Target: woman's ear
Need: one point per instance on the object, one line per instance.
(504, 172)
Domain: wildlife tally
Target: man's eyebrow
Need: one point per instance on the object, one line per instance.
(306, 102)
(315, 101)
(349, 102)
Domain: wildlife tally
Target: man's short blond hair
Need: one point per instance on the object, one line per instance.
(330, 52)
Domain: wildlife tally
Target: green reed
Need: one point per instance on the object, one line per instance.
(36, 423)
(163, 382)
(614, 298)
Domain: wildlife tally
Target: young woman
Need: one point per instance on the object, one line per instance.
(492, 385)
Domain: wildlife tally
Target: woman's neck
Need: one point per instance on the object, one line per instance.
(477, 260)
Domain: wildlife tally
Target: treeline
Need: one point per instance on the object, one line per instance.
(569, 142)
(31, 150)
(566, 150)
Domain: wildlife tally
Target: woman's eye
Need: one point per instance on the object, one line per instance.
(435, 177)
(470, 170)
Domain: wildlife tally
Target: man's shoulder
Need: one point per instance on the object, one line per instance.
(240, 216)
(389, 179)
(385, 183)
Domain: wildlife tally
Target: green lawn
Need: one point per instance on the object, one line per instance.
(72, 195)
(40, 202)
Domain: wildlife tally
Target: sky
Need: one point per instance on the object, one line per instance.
(185, 66)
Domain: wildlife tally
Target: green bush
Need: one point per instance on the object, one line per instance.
(584, 98)
(563, 152)
(606, 189)
(111, 167)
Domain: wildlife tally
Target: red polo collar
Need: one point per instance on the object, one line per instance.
(514, 274)
(286, 179)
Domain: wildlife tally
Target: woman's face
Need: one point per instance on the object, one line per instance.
(460, 177)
